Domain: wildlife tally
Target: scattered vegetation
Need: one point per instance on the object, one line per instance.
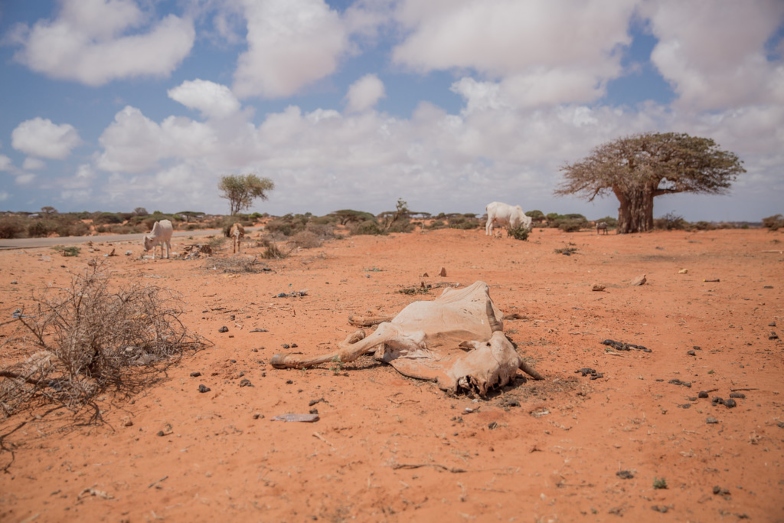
(659, 483)
(67, 251)
(86, 339)
(773, 223)
(237, 265)
(567, 251)
(518, 233)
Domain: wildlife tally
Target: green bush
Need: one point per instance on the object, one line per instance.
(463, 221)
(520, 232)
(570, 225)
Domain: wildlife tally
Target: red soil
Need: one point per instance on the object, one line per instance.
(388, 448)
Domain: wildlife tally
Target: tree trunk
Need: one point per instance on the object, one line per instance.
(636, 211)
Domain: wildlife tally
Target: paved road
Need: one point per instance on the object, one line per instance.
(29, 243)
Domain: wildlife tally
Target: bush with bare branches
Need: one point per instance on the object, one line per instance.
(86, 339)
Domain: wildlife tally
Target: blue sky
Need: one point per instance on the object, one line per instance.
(117, 104)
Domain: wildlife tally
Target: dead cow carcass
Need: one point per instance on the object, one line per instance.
(456, 340)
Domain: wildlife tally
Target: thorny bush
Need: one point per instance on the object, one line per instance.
(86, 339)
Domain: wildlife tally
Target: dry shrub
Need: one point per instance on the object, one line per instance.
(86, 339)
(305, 240)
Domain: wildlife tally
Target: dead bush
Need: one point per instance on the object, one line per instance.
(305, 240)
(86, 339)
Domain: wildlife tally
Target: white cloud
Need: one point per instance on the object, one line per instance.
(291, 43)
(4, 196)
(713, 54)
(5, 163)
(88, 42)
(40, 137)
(24, 178)
(365, 93)
(546, 51)
(33, 164)
(211, 99)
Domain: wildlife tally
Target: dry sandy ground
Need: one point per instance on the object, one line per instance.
(388, 448)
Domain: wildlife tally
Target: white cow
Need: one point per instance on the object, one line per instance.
(505, 214)
(160, 235)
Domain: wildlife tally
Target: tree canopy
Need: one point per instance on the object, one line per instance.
(640, 167)
(242, 189)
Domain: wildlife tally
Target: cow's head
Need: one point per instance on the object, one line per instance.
(148, 242)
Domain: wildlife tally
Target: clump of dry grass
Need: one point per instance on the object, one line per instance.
(306, 240)
(87, 338)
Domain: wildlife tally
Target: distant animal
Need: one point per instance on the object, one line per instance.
(237, 233)
(504, 214)
(160, 235)
(601, 226)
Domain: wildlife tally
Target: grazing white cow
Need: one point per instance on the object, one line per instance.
(504, 214)
(456, 340)
(237, 233)
(160, 235)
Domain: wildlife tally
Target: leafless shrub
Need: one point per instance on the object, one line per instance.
(86, 339)
(305, 240)
(271, 249)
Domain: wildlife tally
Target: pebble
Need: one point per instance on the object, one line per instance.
(773, 336)
(679, 382)
(738, 395)
(691, 353)
(258, 416)
(223, 329)
(703, 394)
(204, 388)
(195, 374)
(710, 420)
(625, 474)
(246, 383)
(730, 403)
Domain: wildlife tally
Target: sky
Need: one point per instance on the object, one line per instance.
(448, 105)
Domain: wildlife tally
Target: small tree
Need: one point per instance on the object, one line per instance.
(242, 189)
(638, 168)
(48, 209)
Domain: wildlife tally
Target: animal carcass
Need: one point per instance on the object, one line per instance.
(457, 340)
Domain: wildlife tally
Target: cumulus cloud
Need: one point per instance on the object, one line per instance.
(33, 164)
(364, 93)
(90, 42)
(713, 54)
(5, 163)
(291, 43)
(211, 99)
(24, 178)
(42, 138)
(545, 51)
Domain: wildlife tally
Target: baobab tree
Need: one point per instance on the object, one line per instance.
(640, 167)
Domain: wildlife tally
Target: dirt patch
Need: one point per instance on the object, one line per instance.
(389, 448)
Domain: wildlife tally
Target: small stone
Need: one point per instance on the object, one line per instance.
(203, 389)
(195, 374)
(696, 347)
(246, 383)
(492, 425)
(703, 394)
(691, 353)
(625, 474)
(161, 433)
(773, 336)
(223, 329)
(710, 420)
(717, 401)
(597, 287)
(129, 423)
(289, 382)
(314, 410)
(294, 345)
(286, 346)
(258, 416)
(639, 280)
(738, 395)
(772, 324)
(443, 272)
(685, 406)
(730, 403)
(661, 508)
